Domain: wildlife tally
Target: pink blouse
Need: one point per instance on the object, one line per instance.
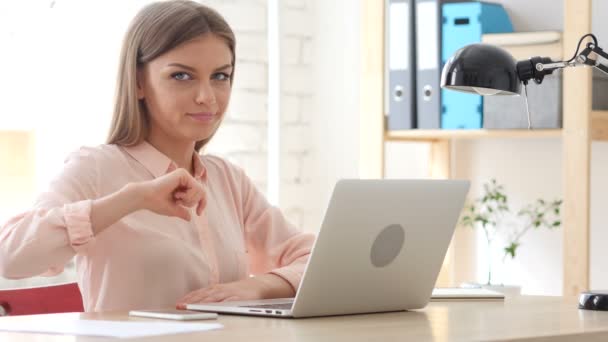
(146, 260)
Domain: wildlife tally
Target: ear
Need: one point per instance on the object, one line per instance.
(140, 83)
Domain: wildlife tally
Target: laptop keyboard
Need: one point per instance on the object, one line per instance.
(278, 306)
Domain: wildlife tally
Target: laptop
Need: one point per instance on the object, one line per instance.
(379, 249)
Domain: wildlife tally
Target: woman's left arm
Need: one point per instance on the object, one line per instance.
(277, 251)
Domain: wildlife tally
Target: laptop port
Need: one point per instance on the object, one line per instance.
(269, 311)
(278, 312)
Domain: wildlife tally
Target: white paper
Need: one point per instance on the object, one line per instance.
(465, 293)
(121, 329)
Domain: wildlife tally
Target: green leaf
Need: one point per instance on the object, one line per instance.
(511, 249)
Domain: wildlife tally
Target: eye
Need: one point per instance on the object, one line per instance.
(181, 76)
(221, 76)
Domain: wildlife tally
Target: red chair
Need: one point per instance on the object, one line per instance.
(41, 300)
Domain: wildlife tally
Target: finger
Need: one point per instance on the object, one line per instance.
(212, 295)
(181, 212)
(197, 299)
(188, 203)
(231, 299)
(188, 295)
(218, 297)
(197, 195)
(187, 298)
(191, 197)
(184, 177)
(201, 206)
(196, 294)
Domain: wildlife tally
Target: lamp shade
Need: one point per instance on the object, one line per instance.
(482, 69)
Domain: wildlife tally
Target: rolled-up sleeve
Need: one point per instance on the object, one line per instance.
(274, 245)
(42, 240)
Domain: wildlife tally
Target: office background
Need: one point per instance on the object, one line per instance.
(320, 114)
(529, 168)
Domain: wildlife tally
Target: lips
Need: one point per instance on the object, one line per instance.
(202, 117)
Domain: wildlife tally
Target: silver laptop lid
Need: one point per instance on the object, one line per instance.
(380, 247)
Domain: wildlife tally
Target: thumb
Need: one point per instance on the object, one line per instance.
(202, 203)
(181, 212)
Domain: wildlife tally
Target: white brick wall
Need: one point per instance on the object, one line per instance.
(296, 4)
(296, 79)
(297, 195)
(296, 21)
(237, 137)
(248, 106)
(296, 138)
(251, 76)
(252, 46)
(242, 15)
(290, 108)
(306, 109)
(307, 50)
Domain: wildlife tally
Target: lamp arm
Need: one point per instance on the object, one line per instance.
(601, 62)
(537, 68)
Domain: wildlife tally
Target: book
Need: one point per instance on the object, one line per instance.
(465, 294)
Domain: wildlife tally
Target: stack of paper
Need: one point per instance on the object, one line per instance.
(465, 294)
(523, 45)
(121, 329)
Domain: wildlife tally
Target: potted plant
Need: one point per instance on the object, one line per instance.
(490, 213)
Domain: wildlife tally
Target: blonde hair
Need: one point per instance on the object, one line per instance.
(156, 29)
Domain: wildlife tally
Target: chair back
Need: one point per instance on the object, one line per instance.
(41, 300)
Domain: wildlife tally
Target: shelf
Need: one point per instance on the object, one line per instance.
(442, 134)
(599, 132)
(599, 125)
(583, 126)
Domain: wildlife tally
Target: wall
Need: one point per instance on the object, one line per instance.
(335, 114)
(297, 196)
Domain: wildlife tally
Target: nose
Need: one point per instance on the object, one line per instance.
(205, 94)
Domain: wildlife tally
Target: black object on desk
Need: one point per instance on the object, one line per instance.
(593, 300)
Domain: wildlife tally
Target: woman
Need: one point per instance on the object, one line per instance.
(150, 222)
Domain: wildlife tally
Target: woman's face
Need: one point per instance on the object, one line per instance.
(187, 89)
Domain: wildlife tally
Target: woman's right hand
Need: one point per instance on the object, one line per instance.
(170, 195)
(173, 193)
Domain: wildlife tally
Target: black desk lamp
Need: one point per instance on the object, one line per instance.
(489, 70)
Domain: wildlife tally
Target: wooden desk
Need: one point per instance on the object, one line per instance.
(525, 318)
